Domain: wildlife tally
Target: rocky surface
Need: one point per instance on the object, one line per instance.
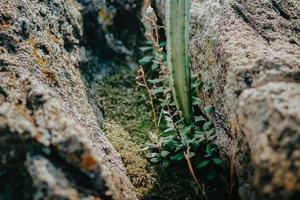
(250, 52)
(51, 146)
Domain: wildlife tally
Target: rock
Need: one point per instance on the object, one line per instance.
(250, 52)
(269, 117)
(51, 146)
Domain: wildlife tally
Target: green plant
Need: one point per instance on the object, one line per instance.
(185, 131)
(177, 20)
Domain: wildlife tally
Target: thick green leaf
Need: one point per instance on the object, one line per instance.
(177, 31)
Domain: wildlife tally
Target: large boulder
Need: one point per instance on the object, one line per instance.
(51, 146)
(250, 52)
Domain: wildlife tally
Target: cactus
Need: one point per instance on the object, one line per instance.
(177, 20)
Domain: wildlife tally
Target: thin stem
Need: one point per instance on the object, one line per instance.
(191, 169)
(151, 101)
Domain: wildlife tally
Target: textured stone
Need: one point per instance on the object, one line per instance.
(50, 143)
(269, 115)
(250, 52)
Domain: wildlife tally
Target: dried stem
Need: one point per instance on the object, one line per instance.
(191, 169)
(151, 101)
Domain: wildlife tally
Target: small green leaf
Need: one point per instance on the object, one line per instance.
(163, 44)
(174, 143)
(211, 138)
(211, 174)
(179, 156)
(210, 149)
(151, 145)
(209, 109)
(173, 103)
(157, 90)
(196, 101)
(148, 42)
(145, 60)
(154, 66)
(203, 164)
(196, 83)
(147, 48)
(151, 155)
(165, 163)
(186, 129)
(164, 153)
(191, 154)
(153, 81)
(209, 88)
(207, 126)
(199, 119)
(217, 161)
(210, 132)
(154, 160)
(165, 102)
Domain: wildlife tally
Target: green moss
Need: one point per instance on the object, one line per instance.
(141, 174)
(127, 123)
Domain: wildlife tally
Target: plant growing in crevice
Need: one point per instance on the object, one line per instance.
(184, 130)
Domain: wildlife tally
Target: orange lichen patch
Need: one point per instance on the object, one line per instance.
(73, 157)
(106, 18)
(42, 62)
(290, 181)
(53, 38)
(38, 136)
(12, 76)
(21, 109)
(4, 26)
(88, 162)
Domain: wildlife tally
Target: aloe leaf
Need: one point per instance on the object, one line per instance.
(177, 20)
